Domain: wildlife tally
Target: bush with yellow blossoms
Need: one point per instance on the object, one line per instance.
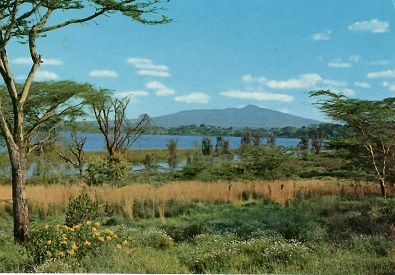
(61, 241)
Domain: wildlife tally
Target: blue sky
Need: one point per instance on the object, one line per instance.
(228, 53)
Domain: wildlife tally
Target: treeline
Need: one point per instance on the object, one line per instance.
(328, 129)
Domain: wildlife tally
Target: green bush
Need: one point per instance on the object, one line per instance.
(81, 209)
(152, 237)
(111, 170)
(61, 242)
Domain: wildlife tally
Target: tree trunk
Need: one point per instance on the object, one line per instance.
(20, 208)
(382, 188)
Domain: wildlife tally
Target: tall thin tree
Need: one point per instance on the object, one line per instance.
(26, 21)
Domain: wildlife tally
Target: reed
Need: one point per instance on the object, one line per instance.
(54, 198)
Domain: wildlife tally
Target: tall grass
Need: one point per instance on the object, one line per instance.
(54, 198)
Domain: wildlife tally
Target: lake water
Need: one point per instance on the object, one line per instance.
(95, 142)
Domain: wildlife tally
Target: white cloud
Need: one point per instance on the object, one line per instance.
(143, 63)
(153, 73)
(261, 96)
(147, 67)
(380, 62)
(321, 35)
(22, 61)
(103, 73)
(390, 86)
(340, 65)
(28, 61)
(249, 78)
(355, 58)
(374, 25)
(132, 94)
(160, 88)
(334, 82)
(362, 84)
(305, 81)
(193, 98)
(45, 75)
(382, 74)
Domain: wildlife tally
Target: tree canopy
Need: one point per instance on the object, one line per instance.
(25, 21)
(373, 123)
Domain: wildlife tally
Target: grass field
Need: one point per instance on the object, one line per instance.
(280, 227)
(55, 197)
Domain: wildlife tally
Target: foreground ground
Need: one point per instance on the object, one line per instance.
(329, 227)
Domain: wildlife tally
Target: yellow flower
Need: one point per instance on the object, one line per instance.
(109, 231)
(115, 236)
(61, 254)
(49, 242)
(64, 242)
(108, 238)
(97, 234)
(77, 226)
(88, 243)
(94, 229)
(64, 237)
(46, 226)
(58, 226)
(125, 242)
(71, 252)
(119, 246)
(97, 224)
(73, 245)
(101, 239)
(71, 229)
(88, 223)
(49, 253)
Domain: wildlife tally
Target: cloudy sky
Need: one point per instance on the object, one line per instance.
(229, 53)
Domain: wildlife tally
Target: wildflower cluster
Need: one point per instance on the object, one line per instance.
(213, 252)
(60, 241)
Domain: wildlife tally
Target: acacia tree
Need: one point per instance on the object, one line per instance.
(26, 21)
(373, 123)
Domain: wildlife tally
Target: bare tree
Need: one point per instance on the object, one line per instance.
(118, 131)
(26, 21)
(77, 158)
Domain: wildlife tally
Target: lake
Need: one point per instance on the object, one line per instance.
(95, 142)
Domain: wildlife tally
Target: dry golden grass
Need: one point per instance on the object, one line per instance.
(57, 196)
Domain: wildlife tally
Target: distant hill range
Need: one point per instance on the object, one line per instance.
(250, 116)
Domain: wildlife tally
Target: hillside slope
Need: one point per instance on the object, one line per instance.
(249, 116)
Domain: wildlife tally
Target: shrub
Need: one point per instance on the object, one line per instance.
(111, 170)
(61, 242)
(183, 232)
(82, 208)
(152, 237)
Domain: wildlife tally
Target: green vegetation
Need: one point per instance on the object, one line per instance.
(315, 235)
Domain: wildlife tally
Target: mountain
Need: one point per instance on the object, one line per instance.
(250, 116)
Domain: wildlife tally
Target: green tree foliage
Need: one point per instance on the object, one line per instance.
(207, 146)
(373, 123)
(25, 21)
(265, 161)
(172, 148)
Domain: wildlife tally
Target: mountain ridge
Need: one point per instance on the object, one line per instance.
(249, 116)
